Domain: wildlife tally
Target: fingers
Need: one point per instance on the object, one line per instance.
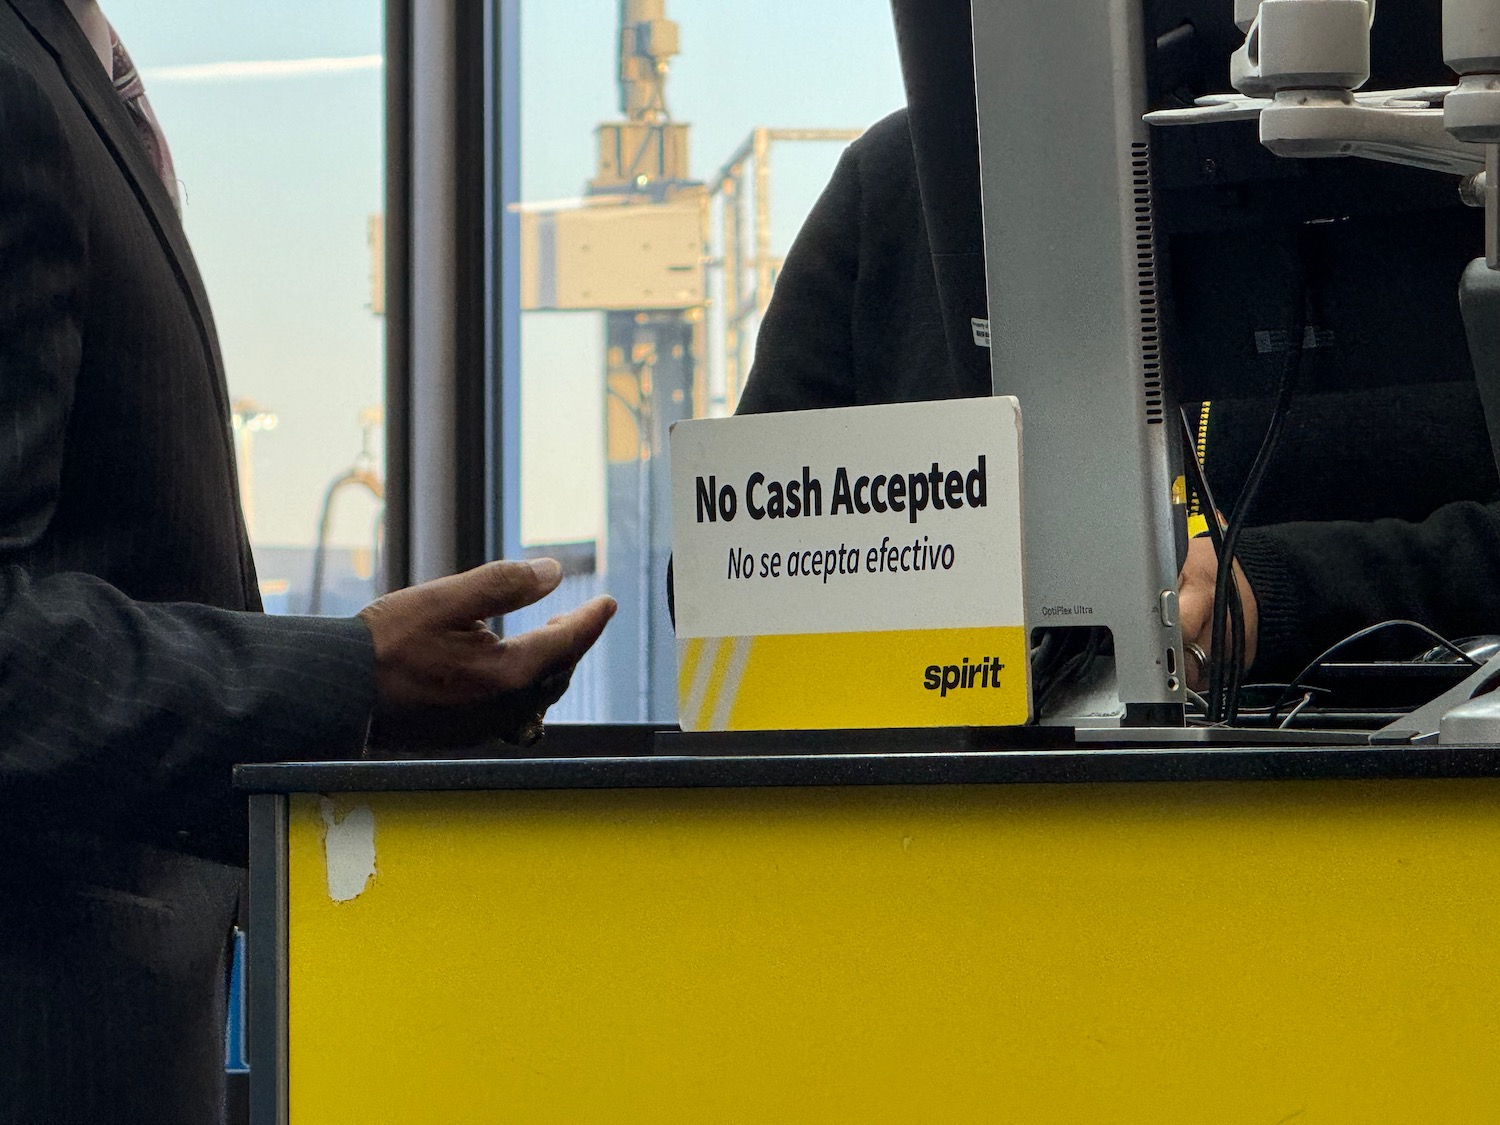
(491, 590)
(1195, 591)
(1195, 604)
(1195, 601)
(537, 664)
(553, 649)
(434, 649)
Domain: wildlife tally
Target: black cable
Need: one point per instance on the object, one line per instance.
(1258, 716)
(1074, 656)
(1227, 662)
(1215, 529)
(1226, 692)
(1359, 635)
(1199, 480)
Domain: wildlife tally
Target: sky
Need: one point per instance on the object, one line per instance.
(281, 168)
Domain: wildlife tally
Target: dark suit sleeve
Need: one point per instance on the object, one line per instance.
(1316, 583)
(111, 707)
(804, 353)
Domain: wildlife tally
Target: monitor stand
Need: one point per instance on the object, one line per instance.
(1076, 335)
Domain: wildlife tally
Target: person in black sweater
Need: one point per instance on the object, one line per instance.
(1378, 505)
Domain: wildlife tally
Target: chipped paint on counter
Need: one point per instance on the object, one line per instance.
(348, 848)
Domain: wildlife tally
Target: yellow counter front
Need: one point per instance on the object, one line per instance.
(1223, 936)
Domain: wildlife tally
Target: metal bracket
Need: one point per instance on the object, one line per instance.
(1393, 126)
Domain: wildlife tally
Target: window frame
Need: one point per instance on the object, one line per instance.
(452, 275)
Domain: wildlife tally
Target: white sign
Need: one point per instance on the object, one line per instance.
(850, 568)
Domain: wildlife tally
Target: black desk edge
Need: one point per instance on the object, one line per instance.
(955, 767)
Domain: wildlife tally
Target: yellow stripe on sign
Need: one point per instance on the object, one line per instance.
(689, 660)
(729, 687)
(895, 678)
(719, 670)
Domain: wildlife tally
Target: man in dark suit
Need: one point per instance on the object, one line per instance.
(134, 668)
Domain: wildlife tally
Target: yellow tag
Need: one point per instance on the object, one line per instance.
(1179, 491)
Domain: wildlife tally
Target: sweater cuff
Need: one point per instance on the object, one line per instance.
(1278, 608)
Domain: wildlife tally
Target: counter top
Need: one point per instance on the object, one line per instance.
(955, 757)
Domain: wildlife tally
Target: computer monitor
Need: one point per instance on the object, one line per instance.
(1128, 270)
(1393, 240)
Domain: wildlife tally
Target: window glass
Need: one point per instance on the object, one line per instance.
(273, 110)
(636, 310)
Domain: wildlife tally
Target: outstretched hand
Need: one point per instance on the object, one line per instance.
(445, 679)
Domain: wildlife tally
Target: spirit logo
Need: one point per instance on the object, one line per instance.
(943, 678)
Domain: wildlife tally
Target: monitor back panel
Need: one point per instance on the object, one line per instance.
(1076, 326)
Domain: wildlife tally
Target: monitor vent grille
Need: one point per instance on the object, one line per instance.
(1145, 274)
